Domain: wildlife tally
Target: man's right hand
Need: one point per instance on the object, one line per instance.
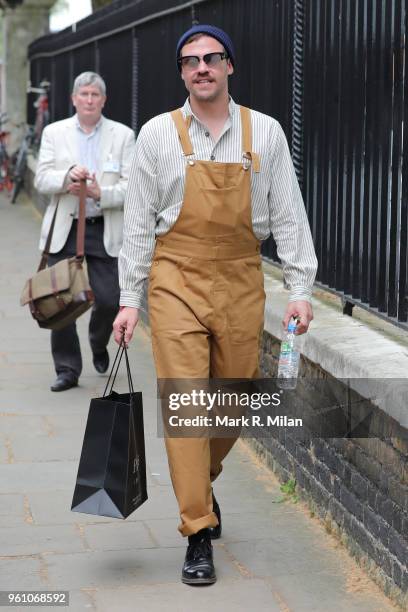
(125, 323)
(78, 172)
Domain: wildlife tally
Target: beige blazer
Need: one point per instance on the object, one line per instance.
(58, 153)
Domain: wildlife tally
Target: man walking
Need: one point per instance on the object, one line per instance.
(208, 183)
(86, 146)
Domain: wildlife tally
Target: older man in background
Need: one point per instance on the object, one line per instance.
(86, 146)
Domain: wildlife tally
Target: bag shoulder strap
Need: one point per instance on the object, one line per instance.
(80, 247)
(46, 251)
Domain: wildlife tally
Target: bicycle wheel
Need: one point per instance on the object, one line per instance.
(18, 183)
(5, 176)
(3, 165)
(19, 173)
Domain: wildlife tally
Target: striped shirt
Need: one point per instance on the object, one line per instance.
(156, 186)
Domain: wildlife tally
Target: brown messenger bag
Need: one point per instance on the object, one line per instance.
(59, 294)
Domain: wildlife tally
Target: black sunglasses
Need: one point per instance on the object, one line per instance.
(193, 61)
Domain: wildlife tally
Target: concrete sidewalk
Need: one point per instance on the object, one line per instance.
(272, 556)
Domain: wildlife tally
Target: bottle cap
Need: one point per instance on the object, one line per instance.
(292, 326)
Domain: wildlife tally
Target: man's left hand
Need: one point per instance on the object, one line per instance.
(92, 188)
(300, 310)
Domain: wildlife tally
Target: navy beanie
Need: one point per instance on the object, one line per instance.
(212, 31)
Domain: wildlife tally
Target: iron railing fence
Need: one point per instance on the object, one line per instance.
(354, 161)
(334, 75)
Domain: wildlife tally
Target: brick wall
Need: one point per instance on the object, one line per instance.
(358, 487)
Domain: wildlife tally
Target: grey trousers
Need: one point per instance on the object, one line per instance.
(103, 278)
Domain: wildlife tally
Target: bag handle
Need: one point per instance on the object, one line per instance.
(130, 381)
(119, 354)
(80, 246)
(115, 367)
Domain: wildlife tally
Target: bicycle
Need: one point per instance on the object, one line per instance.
(21, 162)
(42, 117)
(33, 135)
(6, 179)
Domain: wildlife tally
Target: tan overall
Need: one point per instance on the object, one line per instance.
(206, 305)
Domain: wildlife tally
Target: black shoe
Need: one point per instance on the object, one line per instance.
(64, 382)
(198, 565)
(215, 532)
(101, 361)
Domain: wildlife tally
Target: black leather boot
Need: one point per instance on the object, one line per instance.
(64, 381)
(198, 565)
(101, 361)
(215, 532)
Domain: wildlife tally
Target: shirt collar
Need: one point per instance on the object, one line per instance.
(186, 109)
(78, 125)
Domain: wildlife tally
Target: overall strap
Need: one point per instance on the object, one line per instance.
(246, 127)
(182, 126)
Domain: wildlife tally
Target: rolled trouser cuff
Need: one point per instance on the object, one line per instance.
(187, 528)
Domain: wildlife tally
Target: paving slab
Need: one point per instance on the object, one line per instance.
(32, 539)
(328, 591)
(22, 574)
(43, 448)
(54, 508)
(80, 600)
(12, 510)
(229, 595)
(118, 536)
(14, 423)
(272, 557)
(44, 476)
(124, 567)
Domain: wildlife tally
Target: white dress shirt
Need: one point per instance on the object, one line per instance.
(88, 144)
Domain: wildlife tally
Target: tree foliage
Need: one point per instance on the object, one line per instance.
(60, 5)
(97, 4)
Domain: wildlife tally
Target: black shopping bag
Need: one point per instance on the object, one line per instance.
(111, 478)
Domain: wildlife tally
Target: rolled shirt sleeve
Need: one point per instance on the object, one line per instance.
(289, 223)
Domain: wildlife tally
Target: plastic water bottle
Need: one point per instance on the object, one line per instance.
(288, 367)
